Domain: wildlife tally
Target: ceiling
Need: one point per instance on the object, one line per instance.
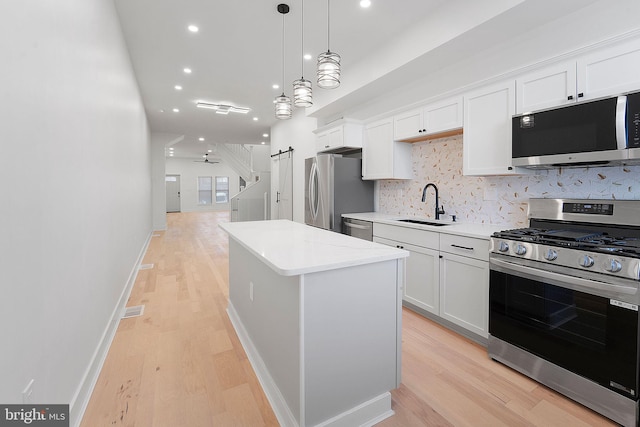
(236, 55)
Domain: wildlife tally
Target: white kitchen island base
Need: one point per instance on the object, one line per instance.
(323, 336)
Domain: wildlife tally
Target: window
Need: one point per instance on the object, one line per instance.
(204, 190)
(222, 189)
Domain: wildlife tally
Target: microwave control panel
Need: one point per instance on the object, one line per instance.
(633, 120)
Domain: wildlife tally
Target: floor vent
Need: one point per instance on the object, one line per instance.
(156, 235)
(135, 311)
(145, 267)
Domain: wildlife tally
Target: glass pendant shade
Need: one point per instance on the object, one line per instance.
(302, 93)
(329, 70)
(283, 107)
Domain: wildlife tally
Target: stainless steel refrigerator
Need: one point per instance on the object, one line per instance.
(334, 186)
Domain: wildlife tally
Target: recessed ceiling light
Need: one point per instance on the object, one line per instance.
(162, 111)
(265, 135)
(187, 70)
(276, 86)
(255, 119)
(307, 56)
(178, 87)
(176, 110)
(201, 139)
(365, 3)
(170, 148)
(170, 154)
(262, 143)
(209, 151)
(193, 28)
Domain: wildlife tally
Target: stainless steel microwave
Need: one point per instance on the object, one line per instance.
(602, 132)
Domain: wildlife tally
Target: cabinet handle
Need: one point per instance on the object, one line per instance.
(419, 130)
(326, 146)
(580, 95)
(462, 247)
(570, 98)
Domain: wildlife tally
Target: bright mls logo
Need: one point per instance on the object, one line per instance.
(34, 415)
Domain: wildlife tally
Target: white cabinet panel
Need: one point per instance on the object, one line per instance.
(407, 125)
(549, 87)
(464, 292)
(382, 157)
(611, 71)
(437, 117)
(487, 130)
(422, 275)
(443, 116)
(342, 136)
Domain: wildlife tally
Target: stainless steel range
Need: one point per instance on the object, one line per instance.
(564, 296)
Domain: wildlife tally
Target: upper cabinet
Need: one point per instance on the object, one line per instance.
(607, 72)
(486, 149)
(339, 137)
(435, 118)
(382, 157)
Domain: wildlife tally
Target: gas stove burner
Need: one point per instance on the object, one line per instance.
(570, 235)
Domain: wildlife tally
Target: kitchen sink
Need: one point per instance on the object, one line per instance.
(418, 221)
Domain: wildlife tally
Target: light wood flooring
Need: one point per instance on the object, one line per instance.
(181, 364)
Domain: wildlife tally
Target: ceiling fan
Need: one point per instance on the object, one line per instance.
(206, 160)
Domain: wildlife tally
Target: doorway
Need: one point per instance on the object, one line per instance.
(285, 186)
(172, 184)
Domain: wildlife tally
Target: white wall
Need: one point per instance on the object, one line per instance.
(298, 134)
(189, 172)
(261, 158)
(74, 178)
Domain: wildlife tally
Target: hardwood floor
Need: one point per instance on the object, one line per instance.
(181, 364)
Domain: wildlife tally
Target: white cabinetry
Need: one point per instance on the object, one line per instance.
(464, 282)
(446, 275)
(487, 130)
(432, 119)
(606, 72)
(337, 137)
(382, 157)
(422, 268)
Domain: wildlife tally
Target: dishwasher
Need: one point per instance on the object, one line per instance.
(357, 228)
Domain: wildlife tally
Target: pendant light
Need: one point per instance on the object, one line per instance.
(328, 63)
(283, 103)
(302, 92)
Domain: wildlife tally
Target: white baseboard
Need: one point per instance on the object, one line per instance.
(364, 415)
(80, 399)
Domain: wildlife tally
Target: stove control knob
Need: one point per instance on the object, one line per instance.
(521, 249)
(503, 247)
(586, 261)
(550, 254)
(613, 266)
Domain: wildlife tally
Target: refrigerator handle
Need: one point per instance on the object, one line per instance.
(312, 192)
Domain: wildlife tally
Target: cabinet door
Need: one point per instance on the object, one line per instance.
(336, 137)
(377, 150)
(487, 130)
(443, 116)
(549, 87)
(464, 292)
(322, 141)
(609, 72)
(422, 271)
(408, 125)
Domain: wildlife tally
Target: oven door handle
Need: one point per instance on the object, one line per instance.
(564, 280)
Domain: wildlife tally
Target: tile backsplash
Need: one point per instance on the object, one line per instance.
(500, 200)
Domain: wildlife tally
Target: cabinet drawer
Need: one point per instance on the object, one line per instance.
(424, 238)
(465, 246)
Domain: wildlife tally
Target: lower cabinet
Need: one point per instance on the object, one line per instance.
(422, 275)
(446, 275)
(464, 292)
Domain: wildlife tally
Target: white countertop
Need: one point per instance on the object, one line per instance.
(291, 248)
(480, 231)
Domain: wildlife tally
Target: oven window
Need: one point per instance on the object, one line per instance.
(583, 333)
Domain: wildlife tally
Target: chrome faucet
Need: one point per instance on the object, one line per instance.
(439, 210)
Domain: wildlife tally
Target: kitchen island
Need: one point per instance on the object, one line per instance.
(319, 315)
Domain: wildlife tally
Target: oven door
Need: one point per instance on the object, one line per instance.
(585, 326)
